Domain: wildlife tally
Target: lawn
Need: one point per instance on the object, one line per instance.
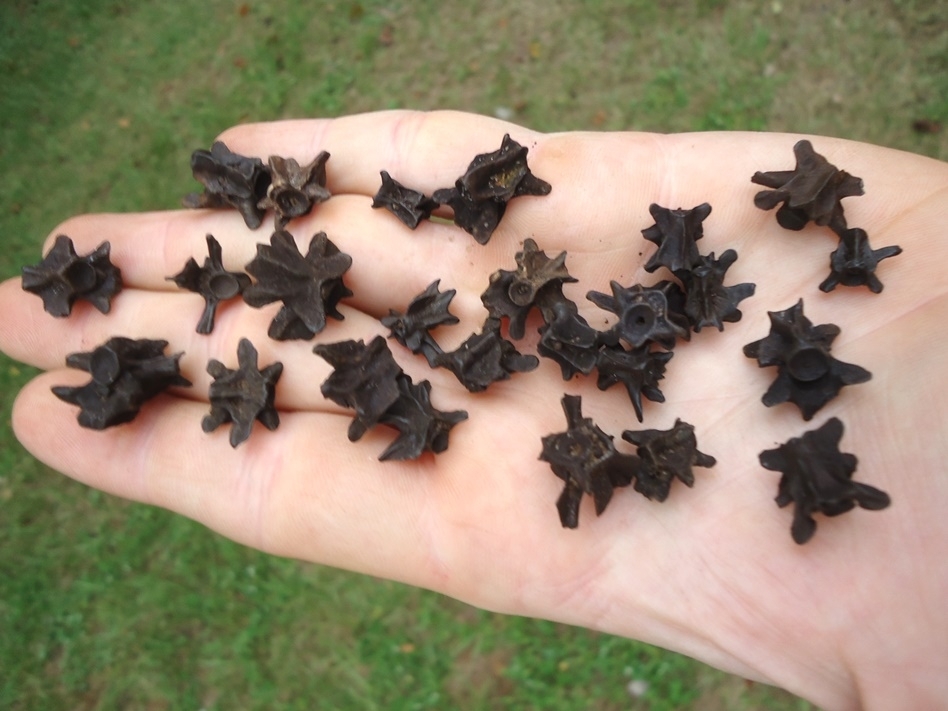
(106, 604)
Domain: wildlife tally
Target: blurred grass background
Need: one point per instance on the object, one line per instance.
(111, 605)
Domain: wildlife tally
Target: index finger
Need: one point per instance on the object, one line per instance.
(422, 150)
(608, 178)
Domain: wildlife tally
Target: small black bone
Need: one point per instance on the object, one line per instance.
(242, 396)
(811, 191)
(479, 219)
(63, 277)
(211, 281)
(363, 379)
(125, 374)
(229, 180)
(675, 232)
(485, 358)
(707, 301)
(537, 281)
(310, 287)
(295, 189)
(503, 174)
(409, 206)
(644, 315)
(666, 455)
(568, 339)
(639, 370)
(854, 262)
(807, 375)
(367, 380)
(817, 477)
(426, 311)
(480, 196)
(585, 458)
(421, 427)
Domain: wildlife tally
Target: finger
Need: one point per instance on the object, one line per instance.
(149, 248)
(608, 253)
(33, 336)
(432, 149)
(390, 263)
(372, 237)
(304, 491)
(596, 178)
(607, 180)
(423, 150)
(603, 183)
(334, 505)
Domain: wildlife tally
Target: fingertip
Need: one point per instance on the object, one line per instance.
(117, 459)
(425, 150)
(43, 424)
(9, 287)
(20, 318)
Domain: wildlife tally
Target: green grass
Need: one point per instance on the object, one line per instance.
(106, 604)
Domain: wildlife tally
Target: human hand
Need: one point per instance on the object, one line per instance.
(856, 615)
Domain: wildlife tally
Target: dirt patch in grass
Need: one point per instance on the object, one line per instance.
(476, 678)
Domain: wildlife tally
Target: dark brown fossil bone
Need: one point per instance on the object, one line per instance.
(409, 206)
(675, 232)
(537, 282)
(666, 455)
(639, 370)
(367, 380)
(125, 374)
(242, 396)
(807, 375)
(421, 427)
(63, 277)
(229, 180)
(854, 262)
(817, 478)
(310, 287)
(503, 174)
(811, 191)
(707, 301)
(479, 219)
(363, 379)
(295, 189)
(586, 459)
(644, 315)
(211, 281)
(485, 358)
(426, 312)
(480, 196)
(567, 338)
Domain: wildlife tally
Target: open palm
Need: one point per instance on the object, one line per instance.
(856, 614)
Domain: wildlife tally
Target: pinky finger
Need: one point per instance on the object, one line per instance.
(302, 490)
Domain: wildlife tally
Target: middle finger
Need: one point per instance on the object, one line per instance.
(44, 342)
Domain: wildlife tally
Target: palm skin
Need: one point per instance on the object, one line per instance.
(855, 617)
